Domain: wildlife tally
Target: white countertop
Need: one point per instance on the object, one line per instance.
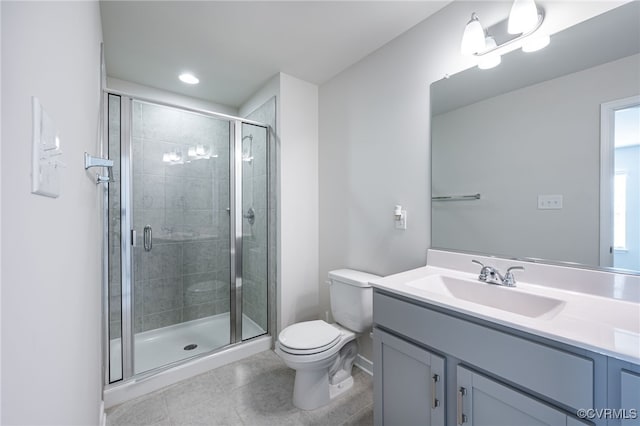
(600, 324)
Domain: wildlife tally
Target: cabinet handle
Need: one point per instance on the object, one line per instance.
(461, 417)
(434, 401)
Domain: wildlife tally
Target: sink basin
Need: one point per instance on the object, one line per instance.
(494, 296)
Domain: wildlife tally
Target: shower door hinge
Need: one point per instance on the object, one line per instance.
(133, 237)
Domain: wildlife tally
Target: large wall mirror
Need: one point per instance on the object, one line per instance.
(550, 140)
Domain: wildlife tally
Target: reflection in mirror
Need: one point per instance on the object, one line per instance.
(551, 142)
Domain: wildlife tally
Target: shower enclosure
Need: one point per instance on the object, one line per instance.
(187, 231)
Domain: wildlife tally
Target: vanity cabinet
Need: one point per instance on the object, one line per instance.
(413, 382)
(482, 401)
(630, 398)
(508, 377)
(624, 393)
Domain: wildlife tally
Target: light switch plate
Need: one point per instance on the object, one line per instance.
(402, 223)
(45, 167)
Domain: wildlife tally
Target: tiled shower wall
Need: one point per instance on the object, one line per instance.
(186, 274)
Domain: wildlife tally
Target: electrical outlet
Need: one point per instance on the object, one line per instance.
(550, 202)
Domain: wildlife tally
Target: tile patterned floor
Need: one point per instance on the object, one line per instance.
(255, 391)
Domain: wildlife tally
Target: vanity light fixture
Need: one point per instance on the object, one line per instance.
(200, 152)
(524, 19)
(491, 60)
(188, 78)
(173, 157)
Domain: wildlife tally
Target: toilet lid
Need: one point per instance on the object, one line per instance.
(309, 335)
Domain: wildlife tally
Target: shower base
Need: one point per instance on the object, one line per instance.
(163, 346)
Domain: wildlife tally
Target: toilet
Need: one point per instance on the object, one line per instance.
(323, 354)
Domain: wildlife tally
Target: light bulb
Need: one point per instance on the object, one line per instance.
(188, 78)
(490, 60)
(536, 43)
(473, 37)
(523, 17)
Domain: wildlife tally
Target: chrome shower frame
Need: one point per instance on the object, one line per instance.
(127, 235)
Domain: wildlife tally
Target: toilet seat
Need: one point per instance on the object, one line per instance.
(309, 337)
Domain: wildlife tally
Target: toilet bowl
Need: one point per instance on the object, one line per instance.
(323, 354)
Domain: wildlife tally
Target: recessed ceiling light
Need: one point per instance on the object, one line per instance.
(188, 78)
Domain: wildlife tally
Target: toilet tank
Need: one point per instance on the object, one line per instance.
(352, 298)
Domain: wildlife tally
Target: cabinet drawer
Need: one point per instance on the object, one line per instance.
(556, 374)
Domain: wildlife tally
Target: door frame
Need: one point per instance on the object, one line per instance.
(127, 234)
(607, 172)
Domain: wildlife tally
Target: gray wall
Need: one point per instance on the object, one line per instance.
(374, 140)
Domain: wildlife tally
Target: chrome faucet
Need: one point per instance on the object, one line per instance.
(490, 275)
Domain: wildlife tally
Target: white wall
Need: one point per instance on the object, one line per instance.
(520, 159)
(298, 208)
(374, 139)
(151, 93)
(51, 258)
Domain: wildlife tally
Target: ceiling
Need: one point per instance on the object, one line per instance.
(235, 47)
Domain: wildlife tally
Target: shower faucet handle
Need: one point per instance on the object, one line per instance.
(250, 216)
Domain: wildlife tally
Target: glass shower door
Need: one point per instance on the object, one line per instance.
(180, 217)
(255, 242)
(189, 235)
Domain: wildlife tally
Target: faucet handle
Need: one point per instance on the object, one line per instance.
(483, 271)
(477, 262)
(509, 279)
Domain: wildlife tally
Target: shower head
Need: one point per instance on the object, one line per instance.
(250, 137)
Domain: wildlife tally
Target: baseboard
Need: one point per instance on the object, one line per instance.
(364, 364)
(103, 414)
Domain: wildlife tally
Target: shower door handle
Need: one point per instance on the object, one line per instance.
(148, 238)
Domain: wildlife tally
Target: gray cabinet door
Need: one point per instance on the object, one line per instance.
(484, 402)
(630, 398)
(408, 383)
